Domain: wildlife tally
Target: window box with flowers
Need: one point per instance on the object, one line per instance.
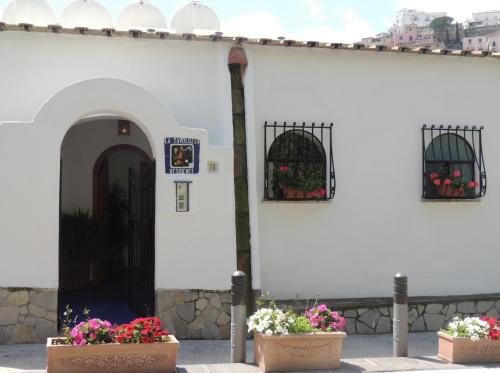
(297, 165)
(470, 340)
(141, 346)
(286, 341)
(453, 163)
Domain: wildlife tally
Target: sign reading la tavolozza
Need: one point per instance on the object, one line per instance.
(182, 155)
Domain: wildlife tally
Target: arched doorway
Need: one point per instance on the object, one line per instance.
(107, 221)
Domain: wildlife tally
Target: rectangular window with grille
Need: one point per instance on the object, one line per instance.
(298, 162)
(453, 162)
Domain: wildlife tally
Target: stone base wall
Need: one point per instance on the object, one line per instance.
(27, 315)
(425, 314)
(195, 314)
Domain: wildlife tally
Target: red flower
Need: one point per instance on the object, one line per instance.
(283, 168)
(433, 175)
(322, 192)
(447, 182)
(437, 182)
(457, 173)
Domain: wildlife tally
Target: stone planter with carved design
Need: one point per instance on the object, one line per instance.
(298, 351)
(458, 350)
(112, 358)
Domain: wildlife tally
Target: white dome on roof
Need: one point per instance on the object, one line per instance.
(195, 16)
(86, 13)
(141, 16)
(34, 12)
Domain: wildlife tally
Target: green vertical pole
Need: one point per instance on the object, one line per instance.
(242, 211)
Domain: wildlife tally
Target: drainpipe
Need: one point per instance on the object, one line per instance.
(238, 62)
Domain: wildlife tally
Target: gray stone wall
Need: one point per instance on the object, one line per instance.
(27, 315)
(427, 317)
(195, 314)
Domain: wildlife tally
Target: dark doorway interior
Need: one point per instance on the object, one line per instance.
(107, 258)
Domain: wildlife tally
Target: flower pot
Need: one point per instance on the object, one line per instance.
(298, 351)
(113, 357)
(449, 191)
(459, 350)
(293, 193)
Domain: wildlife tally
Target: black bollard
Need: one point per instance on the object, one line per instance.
(238, 318)
(400, 316)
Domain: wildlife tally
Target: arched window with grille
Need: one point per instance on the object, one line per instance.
(453, 163)
(298, 166)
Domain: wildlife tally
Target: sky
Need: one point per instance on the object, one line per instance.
(321, 20)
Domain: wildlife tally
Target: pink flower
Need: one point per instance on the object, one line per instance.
(82, 342)
(322, 308)
(447, 182)
(471, 184)
(433, 175)
(283, 168)
(457, 173)
(94, 324)
(78, 338)
(437, 182)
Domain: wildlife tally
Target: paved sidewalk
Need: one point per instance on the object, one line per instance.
(360, 354)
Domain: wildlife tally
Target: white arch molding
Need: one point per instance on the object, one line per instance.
(35, 150)
(29, 193)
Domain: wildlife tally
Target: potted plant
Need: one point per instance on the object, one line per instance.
(470, 340)
(141, 346)
(299, 181)
(285, 340)
(452, 184)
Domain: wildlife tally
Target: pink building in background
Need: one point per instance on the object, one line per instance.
(413, 35)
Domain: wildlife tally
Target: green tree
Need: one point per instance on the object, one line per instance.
(440, 24)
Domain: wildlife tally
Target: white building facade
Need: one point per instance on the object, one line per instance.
(415, 17)
(489, 42)
(489, 18)
(75, 98)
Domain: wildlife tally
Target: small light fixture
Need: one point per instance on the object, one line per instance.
(182, 195)
(123, 128)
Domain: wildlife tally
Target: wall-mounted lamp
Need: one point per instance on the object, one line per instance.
(123, 128)
(182, 196)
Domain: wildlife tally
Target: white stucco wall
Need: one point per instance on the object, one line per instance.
(56, 80)
(81, 147)
(182, 75)
(377, 224)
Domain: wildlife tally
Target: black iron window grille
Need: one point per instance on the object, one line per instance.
(453, 162)
(298, 162)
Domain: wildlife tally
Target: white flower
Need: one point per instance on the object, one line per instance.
(269, 332)
(474, 337)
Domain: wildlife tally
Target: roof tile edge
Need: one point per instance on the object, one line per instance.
(244, 40)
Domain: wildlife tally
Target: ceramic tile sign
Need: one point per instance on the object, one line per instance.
(182, 155)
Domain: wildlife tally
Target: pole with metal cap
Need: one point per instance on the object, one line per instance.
(400, 318)
(238, 318)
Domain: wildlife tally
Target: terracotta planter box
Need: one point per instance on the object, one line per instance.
(292, 193)
(129, 358)
(449, 191)
(464, 350)
(298, 351)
